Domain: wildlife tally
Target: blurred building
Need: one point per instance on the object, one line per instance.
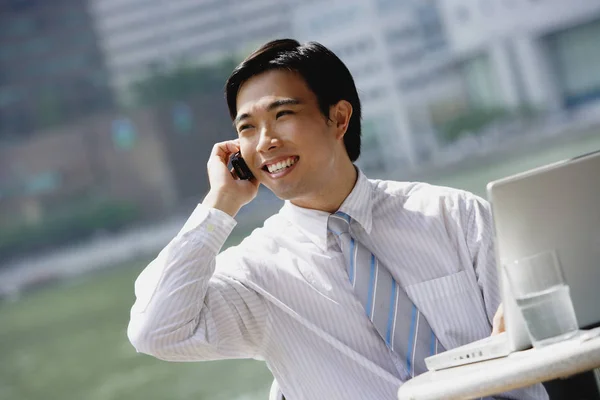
(543, 54)
(142, 36)
(109, 157)
(51, 69)
(398, 55)
(152, 158)
(431, 70)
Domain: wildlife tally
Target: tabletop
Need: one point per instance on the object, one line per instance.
(519, 369)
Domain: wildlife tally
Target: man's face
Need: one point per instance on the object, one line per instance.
(289, 145)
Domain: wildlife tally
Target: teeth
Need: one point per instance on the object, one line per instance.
(278, 167)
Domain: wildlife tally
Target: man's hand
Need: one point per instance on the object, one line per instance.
(227, 192)
(498, 322)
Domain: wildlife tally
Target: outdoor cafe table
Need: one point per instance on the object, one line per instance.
(519, 369)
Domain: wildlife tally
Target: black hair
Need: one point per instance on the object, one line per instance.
(324, 73)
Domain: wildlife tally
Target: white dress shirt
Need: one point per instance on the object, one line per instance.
(283, 294)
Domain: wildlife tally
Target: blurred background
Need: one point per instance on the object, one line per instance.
(109, 108)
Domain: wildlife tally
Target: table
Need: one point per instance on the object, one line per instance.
(520, 369)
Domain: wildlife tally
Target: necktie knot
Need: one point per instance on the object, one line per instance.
(339, 223)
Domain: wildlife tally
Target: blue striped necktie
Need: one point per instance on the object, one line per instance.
(398, 321)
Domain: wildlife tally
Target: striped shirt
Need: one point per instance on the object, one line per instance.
(283, 294)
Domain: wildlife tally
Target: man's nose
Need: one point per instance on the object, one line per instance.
(267, 141)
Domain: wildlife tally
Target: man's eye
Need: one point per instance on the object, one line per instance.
(283, 112)
(244, 127)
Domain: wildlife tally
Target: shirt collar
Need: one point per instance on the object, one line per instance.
(313, 223)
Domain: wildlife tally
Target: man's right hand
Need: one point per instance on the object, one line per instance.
(227, 192)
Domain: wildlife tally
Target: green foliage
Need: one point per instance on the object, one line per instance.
(63, 227)
(474, 120)
(469, 122)
(181, 83)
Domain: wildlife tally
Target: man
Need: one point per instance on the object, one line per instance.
(353, 283)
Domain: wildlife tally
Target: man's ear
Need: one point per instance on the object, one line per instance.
(340, 114)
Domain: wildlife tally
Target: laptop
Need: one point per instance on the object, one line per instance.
(554, 207)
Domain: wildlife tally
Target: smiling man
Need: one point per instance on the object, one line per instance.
(352, 283)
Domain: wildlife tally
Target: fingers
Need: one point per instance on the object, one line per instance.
(224, 150)
(233, 174)
(498, 321)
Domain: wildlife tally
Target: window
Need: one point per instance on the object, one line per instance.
(429, 20)
(407, 56)
(574, 53)
(399, 34)
(42, 183)
(123, 134)
(481, 82)
(182, 118)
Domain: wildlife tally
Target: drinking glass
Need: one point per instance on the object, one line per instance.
(543, 297)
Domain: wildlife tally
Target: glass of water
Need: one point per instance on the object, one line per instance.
(540, 290)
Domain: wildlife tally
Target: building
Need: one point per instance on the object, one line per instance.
(140, 36)
(152, 158)
(540, 54)
(51, 69)
(394, 49)
(424, 66)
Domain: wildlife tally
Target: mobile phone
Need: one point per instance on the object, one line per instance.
(240, 167)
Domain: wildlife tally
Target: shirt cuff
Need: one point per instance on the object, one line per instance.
(209, 226)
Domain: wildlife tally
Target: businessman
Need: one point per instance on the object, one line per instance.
(352, 283)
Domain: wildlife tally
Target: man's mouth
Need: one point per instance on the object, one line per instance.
(280, 165)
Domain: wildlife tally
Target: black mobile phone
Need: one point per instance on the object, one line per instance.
(240, 167)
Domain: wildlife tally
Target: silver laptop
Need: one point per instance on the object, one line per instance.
(553, 207)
